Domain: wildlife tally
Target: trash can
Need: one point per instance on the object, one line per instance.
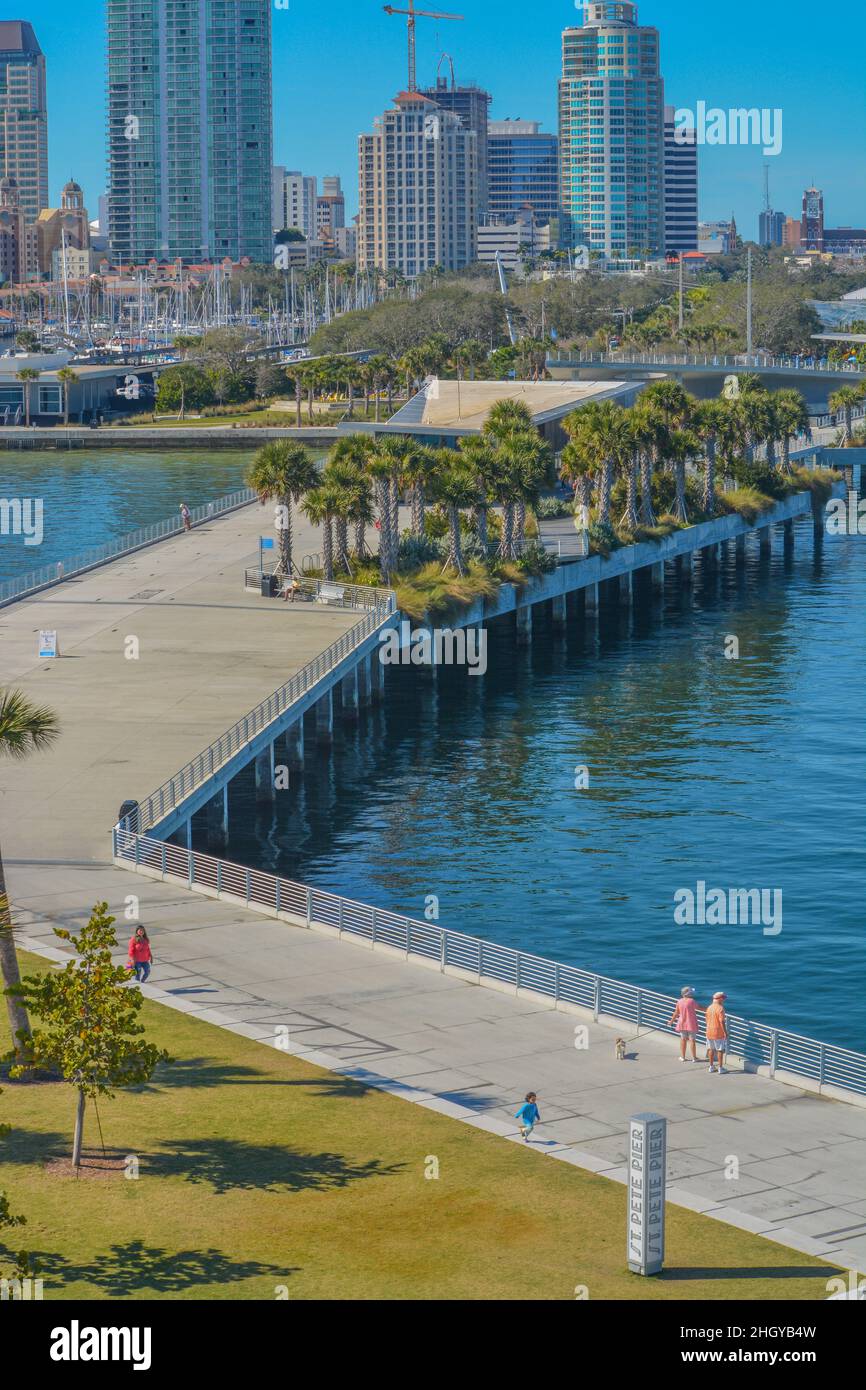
(269, 585)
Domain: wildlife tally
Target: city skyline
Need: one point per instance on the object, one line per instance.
(364, 67)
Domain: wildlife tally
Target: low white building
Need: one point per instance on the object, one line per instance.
(515, 242)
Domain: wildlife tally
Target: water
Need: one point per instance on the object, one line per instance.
(743, 774)
(90, 498)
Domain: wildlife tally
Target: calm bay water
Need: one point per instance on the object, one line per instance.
(90, 497)
(743, 774)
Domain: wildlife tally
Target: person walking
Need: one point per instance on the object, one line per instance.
(186, 517)
(717, 1032)
(685, 1019)
(528, 1115)
(140, 955)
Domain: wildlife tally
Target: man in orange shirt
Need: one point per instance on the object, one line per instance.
(717, 1032)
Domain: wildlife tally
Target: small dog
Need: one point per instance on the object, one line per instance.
(620, 1049)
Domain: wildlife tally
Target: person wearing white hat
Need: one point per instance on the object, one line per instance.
(717, 1032)
(685, 1019)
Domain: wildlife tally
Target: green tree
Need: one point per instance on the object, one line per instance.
(27, 340)
(182, 386)
(92, 1035)
(28, 375)
(792, 417)
(321, 506)
(707, 422)
(842, 402)
(282, 472)
(67, 377)
(457, 489)
(25, 729)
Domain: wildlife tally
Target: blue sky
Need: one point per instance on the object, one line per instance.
(337, 63)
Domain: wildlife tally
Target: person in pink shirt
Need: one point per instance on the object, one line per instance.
(685, 1019)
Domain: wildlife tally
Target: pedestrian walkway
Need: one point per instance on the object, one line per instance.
(472, 1052)
(160, 653)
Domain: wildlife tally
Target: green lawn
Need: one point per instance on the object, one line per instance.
(259, 1171)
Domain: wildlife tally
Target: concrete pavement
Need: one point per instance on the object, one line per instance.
(160, 653)
(746, 1150)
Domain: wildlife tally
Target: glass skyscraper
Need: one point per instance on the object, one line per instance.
(611, 124)
(522, 171)
(189, 129)
(23, 116)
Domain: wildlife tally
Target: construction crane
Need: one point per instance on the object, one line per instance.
(411, 15)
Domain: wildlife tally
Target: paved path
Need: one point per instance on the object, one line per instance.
(208, 653)
(473, 1052)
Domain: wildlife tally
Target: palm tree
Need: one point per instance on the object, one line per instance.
(757, 409)
(792, 418)
(603, 432)
(649, 433)
(707, 422)
(344, 472)
(841, 402)
(456, 488)
(25, 728)
(507, 417)
(28, 375)
(321, 506)
(419, 465)
(482, 458)
(629, 517)
(67, 377)
(282, 472)
(684, 446)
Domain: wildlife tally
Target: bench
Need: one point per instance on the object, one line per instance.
(331, 593)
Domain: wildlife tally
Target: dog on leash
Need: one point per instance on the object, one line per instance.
(620, 1049)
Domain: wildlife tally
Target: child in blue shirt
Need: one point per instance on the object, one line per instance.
(528, 1115)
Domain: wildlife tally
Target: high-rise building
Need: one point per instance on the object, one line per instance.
(189, 129)
(330, 208)
(23, 115)
(472, 105)
(278, 179)
(611, 133)
(418, 189)
(771, 228)
(299, 202)
(522, 171)
(813, 220)
(793, 233)
(681, 186)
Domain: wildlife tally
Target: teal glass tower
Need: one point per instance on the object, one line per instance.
(611, 127)
(189, 130)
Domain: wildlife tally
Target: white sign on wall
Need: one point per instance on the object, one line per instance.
(647, 1149)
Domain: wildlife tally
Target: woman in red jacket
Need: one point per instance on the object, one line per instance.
(140, 954)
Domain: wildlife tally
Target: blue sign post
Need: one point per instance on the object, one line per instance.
(265, 543)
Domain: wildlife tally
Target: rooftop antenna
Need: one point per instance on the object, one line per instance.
(411, 15)
(767, 188)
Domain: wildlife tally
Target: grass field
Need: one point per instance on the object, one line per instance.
(259, 1173)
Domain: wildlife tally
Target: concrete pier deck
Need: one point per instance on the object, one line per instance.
(207, 653)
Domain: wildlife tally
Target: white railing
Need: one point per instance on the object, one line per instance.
(756, 1043)
(59, 570)
(173, 793)
(733, 361)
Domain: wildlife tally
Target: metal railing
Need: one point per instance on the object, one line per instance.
(734, 361)
(756, 1043)
(154, 808)
(60, 570)
(352, 595)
